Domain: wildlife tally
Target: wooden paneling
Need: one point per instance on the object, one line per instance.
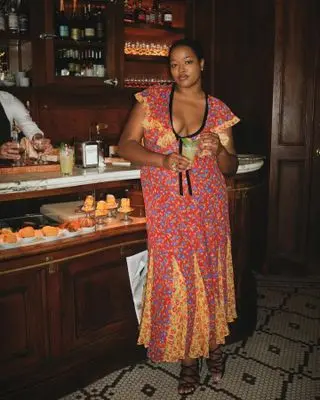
(96, 300)
(290, 235)
(292, 134)
(243, 68)
(22, 337)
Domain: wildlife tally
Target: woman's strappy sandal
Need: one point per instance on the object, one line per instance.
(189, 378)
(215, 364)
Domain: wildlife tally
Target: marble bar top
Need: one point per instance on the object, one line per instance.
(29, 182)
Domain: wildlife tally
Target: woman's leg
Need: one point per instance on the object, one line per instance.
(215, 362)
(189, 376)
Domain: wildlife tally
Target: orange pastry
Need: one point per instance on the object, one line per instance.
(86, 222)
(88, 204)
(27, 232)
(50, 230)
(71, 226)
(125, 205)
(9, 237)
(111, 201)
(101, 208)
(6, 230)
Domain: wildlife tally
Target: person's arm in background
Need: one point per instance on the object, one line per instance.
(29, 128)
(22, 117)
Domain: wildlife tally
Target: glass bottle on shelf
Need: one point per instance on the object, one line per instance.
(128, 12)
(153, 13)
(139, 13)
(90, 24)
(159, 17)
(75, 22)
(23, 18)
(99, 25)
(2, 21)
(62, 22)
(13, 22)
(167, 16)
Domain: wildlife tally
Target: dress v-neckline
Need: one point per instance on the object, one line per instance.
(204, 120)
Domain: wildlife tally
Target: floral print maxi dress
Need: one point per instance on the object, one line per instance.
(189, 295)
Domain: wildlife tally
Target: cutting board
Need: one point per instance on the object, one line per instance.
(61, 212)
(5, 169)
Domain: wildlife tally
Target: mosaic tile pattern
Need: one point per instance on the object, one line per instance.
(280, 361)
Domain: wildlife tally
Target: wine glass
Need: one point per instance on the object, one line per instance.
(21, 150)
(40, 144)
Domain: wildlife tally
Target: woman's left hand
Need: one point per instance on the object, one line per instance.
(209, 145)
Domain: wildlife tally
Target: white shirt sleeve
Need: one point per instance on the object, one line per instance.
(15, 110)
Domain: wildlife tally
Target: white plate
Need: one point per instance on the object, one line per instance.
(67, 233)
(88, 229)
(29, 239)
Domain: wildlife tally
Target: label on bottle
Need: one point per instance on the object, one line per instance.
(64, 31)
(2, 22)
(13, 22)
(23, 23)
(167, 17)
(89, 32)
(100, 30)
(75, 33)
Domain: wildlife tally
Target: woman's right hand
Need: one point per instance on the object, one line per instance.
(9, 151)
(176, 162)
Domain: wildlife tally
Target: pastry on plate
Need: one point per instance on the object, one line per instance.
(86, 222)
(9, 237)
(111, 201)
(71, 226)
(125, 205)
(102, 208)
(88, 204)
(27, 232)
(50, 231)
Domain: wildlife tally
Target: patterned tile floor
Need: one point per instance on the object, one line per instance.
(280, 361)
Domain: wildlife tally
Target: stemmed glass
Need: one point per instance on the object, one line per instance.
(39, 144)
(20, 148)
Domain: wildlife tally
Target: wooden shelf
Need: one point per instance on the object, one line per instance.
(78, 43)
(155, 59)
(141, 26)
(8, 37)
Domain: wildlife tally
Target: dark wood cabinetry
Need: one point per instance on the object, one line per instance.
(295, 156)
(23, 344)
(64, 309)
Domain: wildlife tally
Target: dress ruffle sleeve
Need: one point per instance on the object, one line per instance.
(222, 116)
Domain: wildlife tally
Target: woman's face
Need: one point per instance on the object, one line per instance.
(185, 67)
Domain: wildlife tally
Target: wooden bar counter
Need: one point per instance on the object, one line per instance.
(66, 308)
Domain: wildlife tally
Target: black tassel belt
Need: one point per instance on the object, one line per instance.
(180, 173)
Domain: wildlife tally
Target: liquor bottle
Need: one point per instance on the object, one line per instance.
(62, 22)
(90, 25)
(13, 23)
(23, 18)
(167, 16)
(2, 21)
(159, 18)
(128, 12)
(139, 13)
(153, 13)
(75, 23)
(100, 25)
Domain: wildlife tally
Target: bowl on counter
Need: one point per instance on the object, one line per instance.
(249, 163)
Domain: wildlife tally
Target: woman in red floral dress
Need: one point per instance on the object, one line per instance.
(189, 296)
